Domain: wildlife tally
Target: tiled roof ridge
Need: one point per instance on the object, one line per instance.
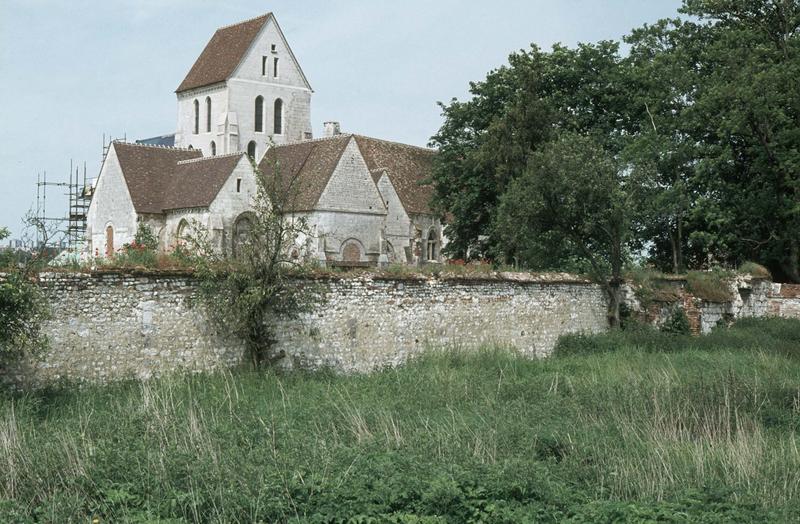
(426, 149)
(244, 21)
(203, 158)
(152, 146)
(313, 140)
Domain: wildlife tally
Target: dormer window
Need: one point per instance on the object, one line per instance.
(275, 67)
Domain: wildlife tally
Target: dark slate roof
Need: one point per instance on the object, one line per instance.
(223, 53)
(197, 182)
(308, 166)
(163, 140)
(147, 170)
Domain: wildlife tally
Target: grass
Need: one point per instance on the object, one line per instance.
(621, 427)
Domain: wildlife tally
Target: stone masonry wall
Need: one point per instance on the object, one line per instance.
(109, 326)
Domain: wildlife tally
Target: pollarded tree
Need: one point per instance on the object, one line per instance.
(570, 202)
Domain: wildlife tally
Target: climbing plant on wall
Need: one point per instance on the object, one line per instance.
(250, 292)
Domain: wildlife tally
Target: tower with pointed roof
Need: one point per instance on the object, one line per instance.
(245, 91)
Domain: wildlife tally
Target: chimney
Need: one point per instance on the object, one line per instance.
(332, 129)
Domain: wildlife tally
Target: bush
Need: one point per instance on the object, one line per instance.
(755, 270)
(677, 323)
(22, 309)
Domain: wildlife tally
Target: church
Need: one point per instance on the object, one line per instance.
(244, 107)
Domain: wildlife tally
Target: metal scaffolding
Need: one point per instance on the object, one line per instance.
(71, 227)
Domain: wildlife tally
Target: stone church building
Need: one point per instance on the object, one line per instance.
(246, 104)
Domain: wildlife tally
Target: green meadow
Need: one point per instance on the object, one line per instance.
(624, 427)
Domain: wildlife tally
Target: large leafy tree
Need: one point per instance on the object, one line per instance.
(572, 202)
(486, 142)
(746, 110)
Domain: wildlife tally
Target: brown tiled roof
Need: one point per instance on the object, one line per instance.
(309, 166)
(147, 171)
(304, 168)
(407, 167)
(196, 183)
(223, 53)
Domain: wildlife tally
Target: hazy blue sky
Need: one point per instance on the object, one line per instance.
(72, 70)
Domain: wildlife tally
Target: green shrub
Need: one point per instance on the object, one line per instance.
(22, 309)
(677, 323)
(755, 270)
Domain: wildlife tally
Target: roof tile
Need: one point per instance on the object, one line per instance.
(222, 54)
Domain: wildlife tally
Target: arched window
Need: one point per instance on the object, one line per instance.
(251, 150)
(278, 117)
(208, 114)
(109, 241)
(181, 233)
(213, 148)
(259, 114)
(431, 252)
(196, 117)
(241, 234)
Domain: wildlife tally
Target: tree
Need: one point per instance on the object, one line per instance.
(250, 294)
(22, 309)
(485, 142)
(740, 108)
(571, 202)
(663, 149)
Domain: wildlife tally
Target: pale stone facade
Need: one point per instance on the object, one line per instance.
(114, 209)
(232, 102)
(246, 93)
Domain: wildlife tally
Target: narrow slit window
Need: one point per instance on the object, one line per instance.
(196, 117)
(264, 60)
(238, 185)
(208, 114)
(259, 116)
(275, 67)
(278, 127)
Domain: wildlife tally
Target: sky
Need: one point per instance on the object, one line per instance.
(74, 70)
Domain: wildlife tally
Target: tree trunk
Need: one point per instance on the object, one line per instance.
(791, 264)
(679, 247)
(614, 294)
(673, 244)
(614, 286)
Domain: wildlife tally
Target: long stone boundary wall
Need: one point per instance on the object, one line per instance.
(108, 326)
(114, 325)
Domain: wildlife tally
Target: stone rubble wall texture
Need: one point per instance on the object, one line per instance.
(752, 297)
(785, 300)
(109, 326)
